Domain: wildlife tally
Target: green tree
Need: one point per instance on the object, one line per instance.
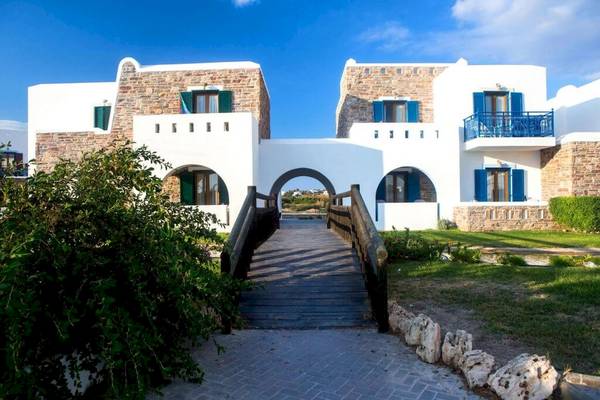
(100, 272)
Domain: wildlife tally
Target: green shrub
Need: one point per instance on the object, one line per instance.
(407, 246)
(446, 224)
(563, 261)
(581, 213)
(512, 260)
(100, 272)
(465, 254)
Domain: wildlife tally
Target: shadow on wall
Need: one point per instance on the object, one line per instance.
(580, 117)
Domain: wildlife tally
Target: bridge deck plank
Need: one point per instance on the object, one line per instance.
(305, 277)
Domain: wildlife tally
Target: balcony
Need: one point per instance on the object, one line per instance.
(509, 131)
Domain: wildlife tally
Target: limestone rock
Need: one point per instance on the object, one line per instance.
(455, 345)
(525, 377)
(476, 366)
(399, 318)
(427, 335)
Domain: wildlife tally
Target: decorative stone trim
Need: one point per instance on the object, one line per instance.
(480, 218)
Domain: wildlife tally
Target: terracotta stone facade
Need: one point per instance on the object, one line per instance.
(427, 189)
(51, 147)
(157, 92)
(571, 169)
(362, 84)
(503, 218)
(172, 188)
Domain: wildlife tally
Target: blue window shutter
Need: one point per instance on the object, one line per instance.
(380, 194)
(225, 101)
(480, 185)
(516, 103)
(478, 102)
(186, 102)
(377, 111)
(186, 188)
(413, 187)
(518, 185)
(223, 192)
(412, 108)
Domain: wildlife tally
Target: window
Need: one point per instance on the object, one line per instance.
(202, 187)
(101, 117)
(206, 102)
(496, 102)
(394, 111)
(498, 184)
(395, 187)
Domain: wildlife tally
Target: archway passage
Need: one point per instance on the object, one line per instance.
(196, 185)
(295, 173)
(406, 185)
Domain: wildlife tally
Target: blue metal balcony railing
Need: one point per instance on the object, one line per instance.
(507, 124)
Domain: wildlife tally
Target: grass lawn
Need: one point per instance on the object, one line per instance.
(555, 311)
(516, 238)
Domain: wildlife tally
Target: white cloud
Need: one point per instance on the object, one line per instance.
(561, 34)
(389, 36)
(243, 3)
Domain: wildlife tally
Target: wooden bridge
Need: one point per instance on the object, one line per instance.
(308, 274)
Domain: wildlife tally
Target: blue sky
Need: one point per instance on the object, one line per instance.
(301, 45)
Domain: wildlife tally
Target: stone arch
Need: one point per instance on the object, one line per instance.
(295, 173)
(172, 183)
(405, 181)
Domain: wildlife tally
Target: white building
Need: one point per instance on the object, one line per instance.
(479, 144)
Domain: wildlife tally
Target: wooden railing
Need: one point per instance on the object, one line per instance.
(354, 224)
(253, 226)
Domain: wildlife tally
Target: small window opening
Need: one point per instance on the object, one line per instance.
(208, 127)
(174, 128)
(406, 134)
(156, 128)
(226, 126)
(422, 134)
(376, 134)
(391, 134)
(191, 127)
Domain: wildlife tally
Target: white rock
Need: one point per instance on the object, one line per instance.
(526, 377)
(427, 335)
(455, 345)
(399, 318)
(476, 366)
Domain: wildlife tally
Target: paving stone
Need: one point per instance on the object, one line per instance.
(292, 363)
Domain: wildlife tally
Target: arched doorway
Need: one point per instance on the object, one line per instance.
(295, 173)
(406, 185)
(406, 198)
(307, 202)
(196, 185)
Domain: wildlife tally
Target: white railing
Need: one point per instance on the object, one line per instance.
(394, 131)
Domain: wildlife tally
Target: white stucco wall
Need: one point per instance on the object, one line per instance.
(229, 154)
(65, 107)
(14, 132)
(365, 161)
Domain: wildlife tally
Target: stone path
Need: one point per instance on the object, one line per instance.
(316, 364)
(307, 277)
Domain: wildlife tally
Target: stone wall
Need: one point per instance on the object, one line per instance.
(157, 92)
(172, 188)
(50, 147)
(427, 189)
(503, 218)
(362, 84)
(571, 169)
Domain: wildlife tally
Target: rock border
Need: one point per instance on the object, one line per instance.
(525, 377)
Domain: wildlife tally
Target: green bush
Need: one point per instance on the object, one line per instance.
(100, 272)
(407, 246)
(512, 260)
(581, 213)
(563, 261)
(465, 254)
(446, 224)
